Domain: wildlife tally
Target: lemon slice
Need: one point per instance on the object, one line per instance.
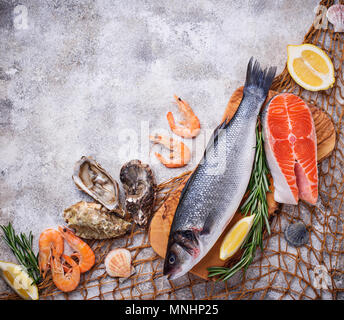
(19, 280)
(310, 67)
(235, 237)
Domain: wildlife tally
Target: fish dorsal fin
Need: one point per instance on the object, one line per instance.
(214, 137)
(221, 126)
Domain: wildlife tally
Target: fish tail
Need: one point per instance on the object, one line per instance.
(258, 81)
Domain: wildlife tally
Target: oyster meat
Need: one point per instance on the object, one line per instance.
(91, 178)
(140, 190)
(92, 221)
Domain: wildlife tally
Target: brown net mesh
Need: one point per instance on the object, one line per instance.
(280, 271)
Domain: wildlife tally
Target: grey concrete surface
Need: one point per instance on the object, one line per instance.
(96, 77)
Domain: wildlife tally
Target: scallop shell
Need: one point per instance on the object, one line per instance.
(91, 178)
(118, 263)
(335, 14)
(296, 234)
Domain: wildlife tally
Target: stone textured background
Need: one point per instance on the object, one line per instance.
(96, 77)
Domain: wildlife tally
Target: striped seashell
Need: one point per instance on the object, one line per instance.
(118, 263)
(335, 15)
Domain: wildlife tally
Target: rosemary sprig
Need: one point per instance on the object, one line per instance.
(257, 204)
(21, 247)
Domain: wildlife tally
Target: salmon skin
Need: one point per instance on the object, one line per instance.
(291, 149)
(216, 187)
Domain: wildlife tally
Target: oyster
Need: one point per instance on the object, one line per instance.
(140, 190)
(92, 221)
(91, 178)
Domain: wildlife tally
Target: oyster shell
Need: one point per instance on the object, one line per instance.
(140, 190)
(91, 178)
(92, 221)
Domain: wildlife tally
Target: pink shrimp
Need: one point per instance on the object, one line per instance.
(83, 252)
(65, 278)
(49, 240)
(190, 126)
(180, 154)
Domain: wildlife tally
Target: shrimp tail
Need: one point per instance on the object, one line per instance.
(171, 121)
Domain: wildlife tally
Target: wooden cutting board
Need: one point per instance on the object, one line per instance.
(162, 220)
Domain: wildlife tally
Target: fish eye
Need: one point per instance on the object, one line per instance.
(172, 258)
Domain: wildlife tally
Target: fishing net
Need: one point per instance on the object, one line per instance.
(314, 271)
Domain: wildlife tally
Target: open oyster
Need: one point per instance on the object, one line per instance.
(140, 190)
(92, 221)
(91, 178)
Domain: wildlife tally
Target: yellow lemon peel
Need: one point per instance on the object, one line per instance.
(235, 237)
(19, 280)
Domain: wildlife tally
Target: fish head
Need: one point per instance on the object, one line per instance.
(182, 250)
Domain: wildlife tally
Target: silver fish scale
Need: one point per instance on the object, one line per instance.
(212, 197)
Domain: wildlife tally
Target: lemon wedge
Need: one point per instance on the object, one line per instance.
(19, 280)
(235, 237)
(310, 67)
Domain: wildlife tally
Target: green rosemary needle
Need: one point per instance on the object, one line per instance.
(21, 247)
(257, 204)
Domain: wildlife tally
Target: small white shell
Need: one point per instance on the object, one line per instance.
(118, 263)
(335, 14)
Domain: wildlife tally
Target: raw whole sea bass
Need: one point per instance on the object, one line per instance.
(291, 149)
(215, 189)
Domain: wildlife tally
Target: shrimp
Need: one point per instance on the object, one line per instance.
(83, 252)
(49, 240)
(180, 154)
(65, 278)
(190, 126)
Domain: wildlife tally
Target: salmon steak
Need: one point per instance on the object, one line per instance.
(291, 149)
